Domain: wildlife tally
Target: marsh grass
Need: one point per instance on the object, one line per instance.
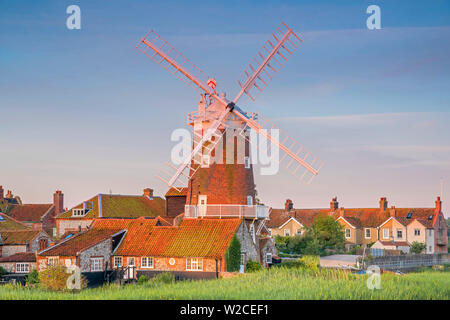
(276, 283)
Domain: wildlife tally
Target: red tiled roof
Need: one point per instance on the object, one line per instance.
(395, 243)
(80, 242)
(175, 193)
(20, 257)
(355, 222)
(10, 224)
(193, 238)
(121, 206)
(19, 237)
(29, 212)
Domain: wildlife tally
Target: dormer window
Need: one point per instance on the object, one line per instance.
(430, 217)
(79, 212)
(409, 215)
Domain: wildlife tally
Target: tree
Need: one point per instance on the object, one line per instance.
(328, 232)
(233, 255)
(417, 247)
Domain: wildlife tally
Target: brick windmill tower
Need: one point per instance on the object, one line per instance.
(218, 171)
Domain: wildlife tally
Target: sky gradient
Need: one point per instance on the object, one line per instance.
(85, 112)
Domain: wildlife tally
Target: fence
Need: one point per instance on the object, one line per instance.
(226, 210)
(410, 261)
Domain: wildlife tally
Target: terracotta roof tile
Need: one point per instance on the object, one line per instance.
(175, 193)
(20, 257)
(18, 236)
(29, 212)
(80, 242)
(395, 243)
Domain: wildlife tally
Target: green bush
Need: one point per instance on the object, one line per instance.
(164, 278)
(310, 262)
(253, 266)
(32, 278)
(143, 279)
(3, 271)
(418, 247)
(55, 279)
(233, 255)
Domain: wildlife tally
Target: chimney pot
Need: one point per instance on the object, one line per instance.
(334, 204)
(288, 205)
(383, 203)
(9, 195)
(58, 201)
(148, 193)
(438, 205)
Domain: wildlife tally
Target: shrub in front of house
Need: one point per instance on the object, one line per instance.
(233, 255)
(32, 278)
(253, 266)
(3, 271)
(143, 279)
(164, 278)
(55, 279)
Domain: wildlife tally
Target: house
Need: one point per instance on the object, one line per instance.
(196, 248)
(37, 216)
(402, 246)
(175, 201)
(80, 217)
(22, 262)
(365, 226)
(17, 241)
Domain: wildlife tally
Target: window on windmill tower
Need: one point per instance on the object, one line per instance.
(205, 161)
(249, 200)
(247, 162)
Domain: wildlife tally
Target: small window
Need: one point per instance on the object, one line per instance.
(243, 259)
(205, 161)
(52, 261)
(286, 233)
(399, 233)
(96, 264)
(299, 232)
(247, 162)
(417, 232)
(117, 262)
(367, 233)
(22, 267)
(409, 215)
(385, 233)
(78, 212)
(194, 264)
(269, 258)
(348, 233)
(249, 200)
(147, 262)
(430, 217)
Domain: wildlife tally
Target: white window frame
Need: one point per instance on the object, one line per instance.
(287, 232)
(147, 262)
(96, 264)
(365, 233)
(249, 200)
(22, 267)
(268, 258)
(194, 264)
(116, 259)
(247, 162)
(401, 231)
(206, 159)
(385, 233)
(52, 261)
(77, 212)
(349, 233)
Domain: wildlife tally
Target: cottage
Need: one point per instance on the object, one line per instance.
(17, 241)
(37, 216)
(80, 217)
(21, 263)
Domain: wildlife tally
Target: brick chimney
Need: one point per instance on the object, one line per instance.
(58, 201)
(392, 211)
(383, 204)
(288, 205)
(334, 204)
(9, 195)
(341, 212)
(148, 193)
(1, 193)
(438, 203)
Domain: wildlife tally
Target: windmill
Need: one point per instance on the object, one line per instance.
(224, 189)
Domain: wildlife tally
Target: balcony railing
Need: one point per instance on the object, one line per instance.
(226, 211)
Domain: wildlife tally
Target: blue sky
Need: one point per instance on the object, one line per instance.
(84, 111)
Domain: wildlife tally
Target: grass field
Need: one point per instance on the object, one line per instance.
(285, 284)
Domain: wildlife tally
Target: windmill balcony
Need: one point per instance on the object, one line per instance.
(226, 211)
